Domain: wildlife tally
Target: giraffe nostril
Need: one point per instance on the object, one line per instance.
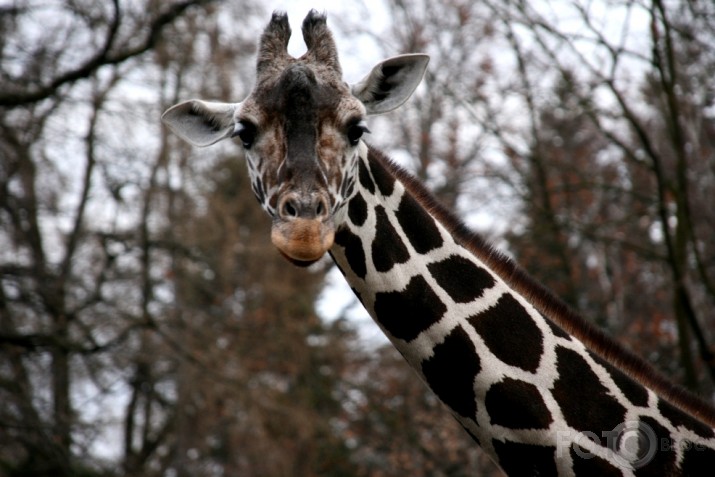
(321, 209)
(306, 207)
(289, 209)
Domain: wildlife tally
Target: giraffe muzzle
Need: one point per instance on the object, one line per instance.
(303, 229)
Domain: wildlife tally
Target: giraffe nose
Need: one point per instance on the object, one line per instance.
(308, 206)
(303, 230)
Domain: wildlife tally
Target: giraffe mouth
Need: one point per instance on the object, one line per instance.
(303, 241)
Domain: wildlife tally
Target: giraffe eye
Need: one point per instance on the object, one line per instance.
(355, 132)
(246, 132)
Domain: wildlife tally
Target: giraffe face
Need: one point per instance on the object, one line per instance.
(301, 130)
(301, 134)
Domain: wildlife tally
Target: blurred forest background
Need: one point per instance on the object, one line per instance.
(148, 327)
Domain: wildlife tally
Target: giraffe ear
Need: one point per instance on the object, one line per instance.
(391, 82)
(201, 123)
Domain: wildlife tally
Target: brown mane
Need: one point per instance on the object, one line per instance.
(548, 304)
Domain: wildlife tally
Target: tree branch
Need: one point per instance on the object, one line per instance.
(103, 56)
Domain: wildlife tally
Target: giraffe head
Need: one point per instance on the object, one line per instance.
(301, 130)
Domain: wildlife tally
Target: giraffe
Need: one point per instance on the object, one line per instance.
(541, 390)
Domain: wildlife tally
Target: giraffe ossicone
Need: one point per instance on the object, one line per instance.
(537, 387)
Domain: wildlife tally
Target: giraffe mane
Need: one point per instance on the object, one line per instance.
(548, 304)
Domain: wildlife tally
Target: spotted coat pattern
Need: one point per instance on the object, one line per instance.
(533, 396)
(540, 390)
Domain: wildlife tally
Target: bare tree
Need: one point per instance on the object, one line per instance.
(68, 312)
(629, 91)
(437, 136)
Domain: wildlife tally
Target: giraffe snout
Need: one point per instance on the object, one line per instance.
(303, 230)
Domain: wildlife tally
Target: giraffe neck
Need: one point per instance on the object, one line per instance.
(537, 388)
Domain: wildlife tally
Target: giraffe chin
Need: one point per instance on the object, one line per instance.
(302, 241)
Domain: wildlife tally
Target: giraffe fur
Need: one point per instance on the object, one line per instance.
(540, 389)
